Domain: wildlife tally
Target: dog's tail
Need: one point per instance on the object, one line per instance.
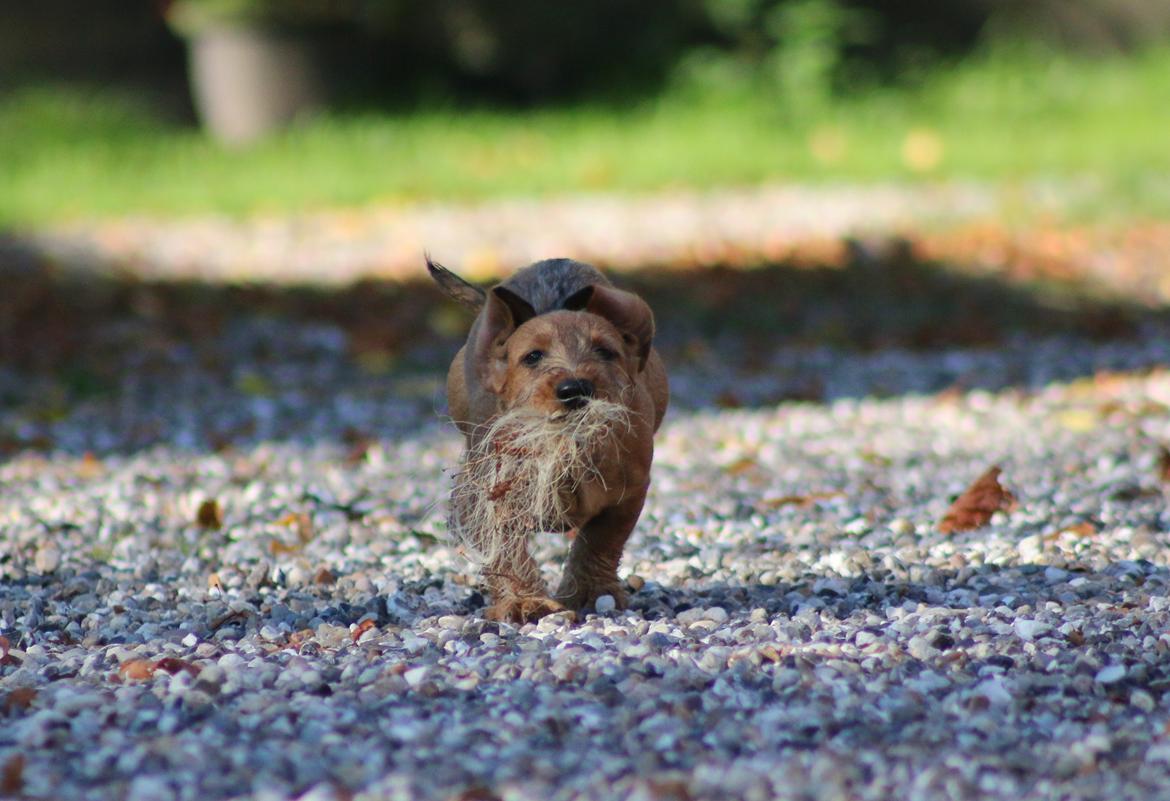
(468, 294)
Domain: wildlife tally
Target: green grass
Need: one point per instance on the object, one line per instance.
(67, 153)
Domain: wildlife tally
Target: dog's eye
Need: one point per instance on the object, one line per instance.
(604, 353)
(532, 358)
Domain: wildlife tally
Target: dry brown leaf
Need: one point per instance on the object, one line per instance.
(210, 515)
(974, 508)
(798, 500)
(728, 400)
(358, 446)
(12, 777)
(5, 657)
(299, 638)
(745, 464)
(90, 466)
(136, 669)
(1164, 464)
(277, 548)
(324, 576)
(1082, 529)
(476, 793)
(174, 665)
(20, 698)
(304, 527)
(362, 628)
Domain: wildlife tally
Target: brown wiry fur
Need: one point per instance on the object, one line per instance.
(538, 463)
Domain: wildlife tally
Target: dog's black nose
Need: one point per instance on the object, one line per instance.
(574, 392)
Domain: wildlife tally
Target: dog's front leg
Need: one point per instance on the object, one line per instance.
(591, 569)
(517, 591)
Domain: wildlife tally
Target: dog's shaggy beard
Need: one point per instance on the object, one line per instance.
(522, 476)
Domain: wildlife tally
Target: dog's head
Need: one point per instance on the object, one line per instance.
(560, 361)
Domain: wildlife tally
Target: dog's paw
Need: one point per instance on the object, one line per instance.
(587, 596)
(524, 609)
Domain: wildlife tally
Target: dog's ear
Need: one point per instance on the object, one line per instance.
(503, 313)
(629, 314)
(579, 299)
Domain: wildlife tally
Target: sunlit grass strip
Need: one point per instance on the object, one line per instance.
(67, 154)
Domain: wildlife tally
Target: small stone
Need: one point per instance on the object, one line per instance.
(1029, 630)
(857, 526)
(605, 604)
(416, 676)
(190, 640)
(901, 526)
(47, 559)
(1142, 700)
(635, 582)
(919, 648)
(1031, 549)
(1110, 674)
(716, 614)
(864, 638)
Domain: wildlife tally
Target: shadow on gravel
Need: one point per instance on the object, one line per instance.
(71, 333)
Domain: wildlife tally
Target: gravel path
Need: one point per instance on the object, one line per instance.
(225, 574)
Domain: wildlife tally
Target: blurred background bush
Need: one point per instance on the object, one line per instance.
(782, 88)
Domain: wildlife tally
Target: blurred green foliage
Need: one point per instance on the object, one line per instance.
(474, 98)
(1006, 116)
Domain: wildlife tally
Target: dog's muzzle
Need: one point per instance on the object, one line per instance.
(573, 393)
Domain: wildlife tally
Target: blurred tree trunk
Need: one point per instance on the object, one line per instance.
(248, 81)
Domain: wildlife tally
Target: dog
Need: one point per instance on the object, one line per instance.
(558, 393)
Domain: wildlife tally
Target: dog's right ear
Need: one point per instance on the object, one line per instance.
(503, 313)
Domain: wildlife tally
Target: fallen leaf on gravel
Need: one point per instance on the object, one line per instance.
(1164, 464)
(20, 698)
(136, 669)
(304, 526)
(90, 466)
(974, 508)
(1082, 529)
(210, 515)
(358, 445)
(299, 638)
(728, 400)
(324, 576)
(174, 665)
(362, 628)
(278, 548)
(798, 500)
(5, 657)
(475, 794)
(741, 466)
(12, 777)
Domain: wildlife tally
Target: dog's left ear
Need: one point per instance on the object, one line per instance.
(629, 314)
(503, 312)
